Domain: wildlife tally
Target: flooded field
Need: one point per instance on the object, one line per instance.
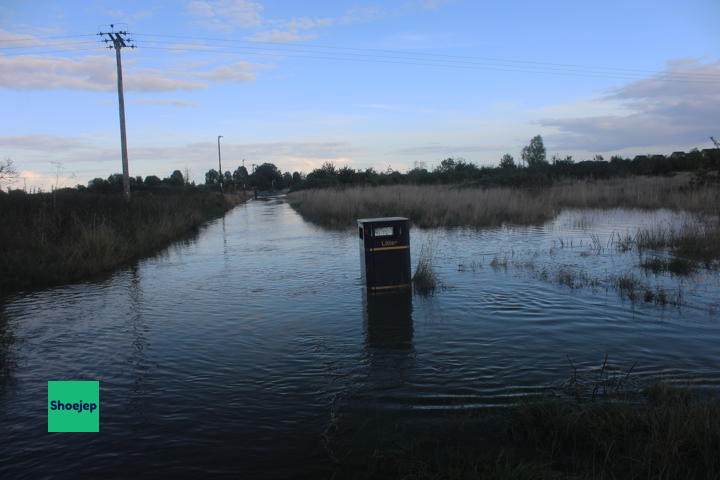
(236, 352)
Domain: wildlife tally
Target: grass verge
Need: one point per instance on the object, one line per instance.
(660, 433)
(49, 239)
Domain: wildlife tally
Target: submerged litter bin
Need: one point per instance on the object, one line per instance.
(385, 253)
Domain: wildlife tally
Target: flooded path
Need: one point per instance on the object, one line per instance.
(232, 352)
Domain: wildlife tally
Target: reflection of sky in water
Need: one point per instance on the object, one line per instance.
(231, 350)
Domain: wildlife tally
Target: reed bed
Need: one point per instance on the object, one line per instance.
(48, 239)
(692, 244)
(444, 206)
(426, 206)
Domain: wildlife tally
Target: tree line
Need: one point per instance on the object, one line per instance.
(532, 169)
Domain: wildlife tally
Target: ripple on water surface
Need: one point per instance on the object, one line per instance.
(235, 351)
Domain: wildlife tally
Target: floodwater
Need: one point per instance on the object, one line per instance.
(234, 353)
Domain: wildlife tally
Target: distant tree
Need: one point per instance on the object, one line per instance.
(240, 175)
(99, 185)
(558, 160)
(534, 154)
(175, 179)
(287, 180)
(507, 161)
(456, 170)
(322, 177)
(115, 181)
(8, 172)
(266, 176)
(212, 177)
(227, 178)
(446, 166)
(152, 181)
(329, 168)
(419, 174)
(598, 158)
(346, 175)
(297, 178)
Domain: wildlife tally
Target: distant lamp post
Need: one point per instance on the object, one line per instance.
(220, 166)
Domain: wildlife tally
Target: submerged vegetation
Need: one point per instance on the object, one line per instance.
(7, 340)
(425, 279)
(68, 235)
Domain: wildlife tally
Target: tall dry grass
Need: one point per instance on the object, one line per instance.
(48, 239)
(437, 206)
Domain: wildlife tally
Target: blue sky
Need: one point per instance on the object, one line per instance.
(359, 83)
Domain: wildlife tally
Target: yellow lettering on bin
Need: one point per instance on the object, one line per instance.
(380, 249)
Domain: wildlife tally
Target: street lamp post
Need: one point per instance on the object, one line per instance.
(222, 192)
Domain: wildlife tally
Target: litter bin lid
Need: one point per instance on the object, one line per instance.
(382, 219)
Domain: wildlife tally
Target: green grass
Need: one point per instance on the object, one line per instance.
(49, 239)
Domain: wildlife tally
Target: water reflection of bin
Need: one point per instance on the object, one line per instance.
(385, 253)
(389, 324)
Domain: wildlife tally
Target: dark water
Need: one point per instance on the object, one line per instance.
(235, 353)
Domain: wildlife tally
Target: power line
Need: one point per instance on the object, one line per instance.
(403, 53)
(337, 53)
(17, 47)
(45, 52)
(32, 38)
(428, 62)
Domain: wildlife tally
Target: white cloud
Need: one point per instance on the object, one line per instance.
(433, 4)
(226, 15)
(308, 164)
(305, 23)
(448, 150)
(44, 143)
(680, 106)
(279, 36)
(91, 72)
(44, 181)
(174, 103)
(229, 15)
(9, 39)
(237, 72)
(98, 73)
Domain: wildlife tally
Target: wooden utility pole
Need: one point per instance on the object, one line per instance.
(222, 192)
(119, 42)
